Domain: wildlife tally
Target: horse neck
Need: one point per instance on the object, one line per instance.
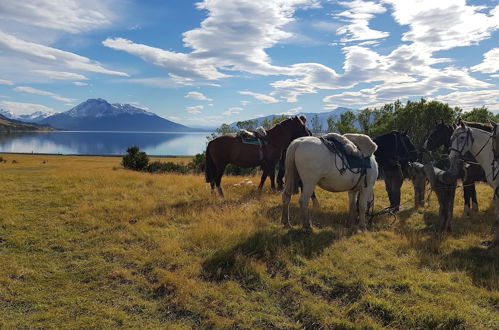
(278, 136)
(481, 149)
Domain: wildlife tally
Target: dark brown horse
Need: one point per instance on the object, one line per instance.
(230, 149)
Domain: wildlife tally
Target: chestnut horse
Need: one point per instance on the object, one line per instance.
(230, 149)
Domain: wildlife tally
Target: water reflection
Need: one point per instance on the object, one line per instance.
(103, 143)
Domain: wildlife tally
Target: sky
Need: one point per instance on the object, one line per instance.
(203, 63)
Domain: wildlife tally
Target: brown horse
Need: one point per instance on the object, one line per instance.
(230, 149)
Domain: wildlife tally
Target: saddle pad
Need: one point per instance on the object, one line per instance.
(353, 161)
(250, 141)
(359, 162)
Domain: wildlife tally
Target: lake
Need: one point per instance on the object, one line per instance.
(104, 143)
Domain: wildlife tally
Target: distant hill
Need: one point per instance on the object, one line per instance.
(8, 125)
(34, 117)
(99, 115)
(321, 116)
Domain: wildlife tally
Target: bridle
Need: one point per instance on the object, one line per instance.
(469, 137)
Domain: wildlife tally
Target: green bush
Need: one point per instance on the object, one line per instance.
(198, 163)
(162, 167)
(135, 159)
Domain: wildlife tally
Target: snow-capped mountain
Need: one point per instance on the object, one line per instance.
(34, 117)
(100, 115)
(101, 108)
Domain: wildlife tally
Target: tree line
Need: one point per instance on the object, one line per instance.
(418, 118)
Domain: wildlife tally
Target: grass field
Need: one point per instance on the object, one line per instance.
(87, 244)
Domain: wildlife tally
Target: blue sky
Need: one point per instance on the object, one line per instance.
(202, 63)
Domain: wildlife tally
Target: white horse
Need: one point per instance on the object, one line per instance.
(311, 161)
(481, 145)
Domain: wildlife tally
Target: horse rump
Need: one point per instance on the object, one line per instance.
(209, 169)
(292, 178)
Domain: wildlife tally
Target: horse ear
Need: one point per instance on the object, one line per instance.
(462, 123)
(493, 123)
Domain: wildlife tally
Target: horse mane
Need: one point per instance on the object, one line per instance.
(482, 126)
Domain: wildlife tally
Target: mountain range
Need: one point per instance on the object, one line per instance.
(8, 125)
(100, 115)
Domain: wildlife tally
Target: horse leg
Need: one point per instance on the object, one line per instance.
(264, 177)
(366, 195)
(315, 201)
(474, 202)
(286, 198)
(218, 179)
(306, 193)
(467, 199)
(272, 177)
(352, 207)
(393, 182)
(280, 173)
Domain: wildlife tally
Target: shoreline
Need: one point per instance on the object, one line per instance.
(85, 155)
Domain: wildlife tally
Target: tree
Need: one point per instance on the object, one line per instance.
(480, 115)
(365, 119)
(266, 123)
(316, 125)
(278, 119)
(135, 159)
(249, 125)
(346, 123)
(222, 130)
(331, 125)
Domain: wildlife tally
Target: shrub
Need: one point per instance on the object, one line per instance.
(198, 163)
(135, 159)
(162, 167)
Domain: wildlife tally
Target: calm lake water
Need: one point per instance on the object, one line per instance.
(104, 143)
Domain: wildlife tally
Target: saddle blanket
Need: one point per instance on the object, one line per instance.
(353, 161)
(249, 140)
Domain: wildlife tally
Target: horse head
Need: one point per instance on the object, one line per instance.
(408, 150)
(440, 136)
(287, 130)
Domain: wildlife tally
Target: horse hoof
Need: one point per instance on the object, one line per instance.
(308, 229)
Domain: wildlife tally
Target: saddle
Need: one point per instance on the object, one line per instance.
(350, 154)
(258, 137)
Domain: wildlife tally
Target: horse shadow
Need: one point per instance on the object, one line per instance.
(320, 218)
(479, 263)
(274, 247)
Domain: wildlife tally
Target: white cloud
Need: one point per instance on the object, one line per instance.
(233, 37)
(38, 54)
(176, 64)
(444, 24)
(6, 82)
(245, 102)
(232, 111)
(197, 96)
(292, 111)
(20, 108)
(490, 62)
(71, 16)
(261, 97)
(194, 109)
(358, 14)
(80, 83)
(471, 99)
(61, 75)
(31, 90)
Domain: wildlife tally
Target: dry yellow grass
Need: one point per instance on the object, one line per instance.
(87, 244)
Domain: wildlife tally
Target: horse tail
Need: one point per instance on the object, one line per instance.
(209, 169)
(291, 175)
